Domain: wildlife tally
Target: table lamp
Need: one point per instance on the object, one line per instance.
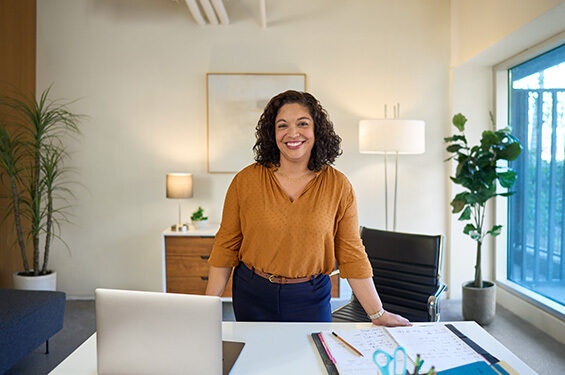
(394, 136)
(179, 186)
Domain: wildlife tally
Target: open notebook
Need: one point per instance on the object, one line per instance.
(436, 344)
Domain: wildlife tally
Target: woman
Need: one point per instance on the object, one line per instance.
(288, 219)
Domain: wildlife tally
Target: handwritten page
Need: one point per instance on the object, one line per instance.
(366, 341)
(436, 344)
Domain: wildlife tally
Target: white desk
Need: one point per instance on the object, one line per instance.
(284, 348)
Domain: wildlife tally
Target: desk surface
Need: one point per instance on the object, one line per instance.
(285, 348)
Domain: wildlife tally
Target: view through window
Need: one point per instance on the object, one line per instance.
(536, 213)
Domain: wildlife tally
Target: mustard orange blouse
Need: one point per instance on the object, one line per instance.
(263, 228)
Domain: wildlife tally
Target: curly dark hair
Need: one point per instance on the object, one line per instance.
(326, 142)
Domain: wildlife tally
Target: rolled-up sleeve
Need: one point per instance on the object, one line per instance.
(229, 237)
(349, 250)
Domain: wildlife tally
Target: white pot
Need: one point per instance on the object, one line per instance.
(200, 224)
(43, 282)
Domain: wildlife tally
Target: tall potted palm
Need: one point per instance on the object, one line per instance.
(478, 172)
(32, 155)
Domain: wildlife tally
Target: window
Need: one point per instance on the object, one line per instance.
(536, 213)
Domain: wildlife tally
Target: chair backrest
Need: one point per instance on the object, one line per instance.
(406, 269)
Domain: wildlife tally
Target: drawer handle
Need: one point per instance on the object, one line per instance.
(204, 277)
(205, 256)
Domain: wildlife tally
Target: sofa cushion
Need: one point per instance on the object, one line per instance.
(28, 318)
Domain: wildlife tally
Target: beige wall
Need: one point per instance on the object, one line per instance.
(139, 67)
(478, 24)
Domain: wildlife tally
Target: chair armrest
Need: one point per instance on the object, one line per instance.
(442, 288)
(433, 305)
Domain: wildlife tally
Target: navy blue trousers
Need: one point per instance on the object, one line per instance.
(256, 299)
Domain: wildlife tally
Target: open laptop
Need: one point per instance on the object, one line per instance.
(158, 333)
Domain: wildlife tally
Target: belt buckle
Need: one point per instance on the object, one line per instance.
(271, 278)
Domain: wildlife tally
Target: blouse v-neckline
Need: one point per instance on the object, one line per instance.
(284, 193)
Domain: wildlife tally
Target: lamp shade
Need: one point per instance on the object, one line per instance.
(179, 185)
(392, 135)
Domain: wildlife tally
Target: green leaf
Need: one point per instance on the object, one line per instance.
(475, 235)
(489, 138)
(504, 131)
(495, 231)
(471, 198)
(510, 152)
(459, 169)
(507, 179)
(469, 228)
(472, 232)
(453, 148)
(458, 204)
(466, 215)
(456, 138)
(459, 121)
(507, 194)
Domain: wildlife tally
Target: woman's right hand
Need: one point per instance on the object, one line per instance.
(389, 319)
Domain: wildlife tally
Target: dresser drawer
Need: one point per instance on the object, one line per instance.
(177, 245)
(192, 285)
(186, 264)
(193, 265)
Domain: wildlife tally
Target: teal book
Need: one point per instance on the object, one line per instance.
(475, 368)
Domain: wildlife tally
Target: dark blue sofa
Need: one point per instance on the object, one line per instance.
(28, 318)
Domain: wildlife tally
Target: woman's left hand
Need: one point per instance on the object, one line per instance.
(389, 319)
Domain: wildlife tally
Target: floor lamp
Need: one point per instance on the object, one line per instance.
(179, 186)
(391, 136)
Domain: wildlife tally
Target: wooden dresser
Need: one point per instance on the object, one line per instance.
(185, 262)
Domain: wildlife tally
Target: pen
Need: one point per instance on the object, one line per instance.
(417, 364)
(346, 343)
(432, 371)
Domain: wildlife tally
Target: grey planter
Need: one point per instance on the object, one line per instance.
(479, 304)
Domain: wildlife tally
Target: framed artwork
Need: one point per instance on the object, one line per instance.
(235, 101)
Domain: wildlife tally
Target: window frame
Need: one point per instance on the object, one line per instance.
(501, 107)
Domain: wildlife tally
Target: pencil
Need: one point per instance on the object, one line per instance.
(346, 343)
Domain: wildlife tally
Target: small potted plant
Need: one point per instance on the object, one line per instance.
(198, 219)
(478, 171)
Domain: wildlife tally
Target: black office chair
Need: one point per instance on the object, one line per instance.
(406, 272)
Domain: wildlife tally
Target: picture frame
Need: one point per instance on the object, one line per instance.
(235, 101)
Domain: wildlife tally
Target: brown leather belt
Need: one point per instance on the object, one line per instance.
(280, 279)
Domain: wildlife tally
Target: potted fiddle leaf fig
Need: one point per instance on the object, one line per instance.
(198, 219)
(479, 169)
(32, 155)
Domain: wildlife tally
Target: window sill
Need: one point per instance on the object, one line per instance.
(546, 304)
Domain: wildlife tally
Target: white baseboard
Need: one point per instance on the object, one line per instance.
(80, 298)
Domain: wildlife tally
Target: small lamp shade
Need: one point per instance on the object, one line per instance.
(392, 135)
(179, 185)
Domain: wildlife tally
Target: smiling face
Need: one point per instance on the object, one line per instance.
(294, 133)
